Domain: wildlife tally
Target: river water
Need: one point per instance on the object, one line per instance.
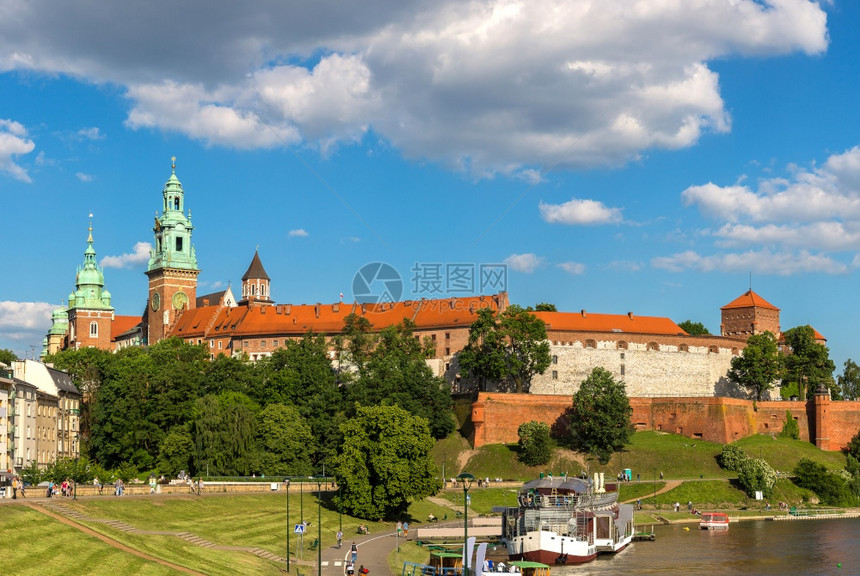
(755, 548)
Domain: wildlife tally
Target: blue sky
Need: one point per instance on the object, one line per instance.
(617, 156)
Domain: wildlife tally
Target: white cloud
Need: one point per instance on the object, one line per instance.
(488, 86)
(579, 212)
(762, 261)
(139, 255)
(624, 266)
(25, 320)
(815, 209)
(14, 142)
(301, 232)
(84, 177)
(526, 263)
(575, 268)
(91, 133)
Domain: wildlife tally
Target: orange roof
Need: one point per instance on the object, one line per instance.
(297, 319)
(749, 299)
(587, 322)
(122, 324)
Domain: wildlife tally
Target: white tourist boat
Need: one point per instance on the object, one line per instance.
(566, 521)
(714, 521)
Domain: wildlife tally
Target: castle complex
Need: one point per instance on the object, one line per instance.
(652, 355)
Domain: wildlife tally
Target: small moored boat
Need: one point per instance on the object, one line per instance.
(530, 568)
(714, 521)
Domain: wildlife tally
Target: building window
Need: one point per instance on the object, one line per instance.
(179, 244)
(262, 343)
(447, 335)
(554, 359)
(212, 343)
(622, 369)
(555, 374)
(94, 329)
(275, 343)
(447, 351)
(219, 344)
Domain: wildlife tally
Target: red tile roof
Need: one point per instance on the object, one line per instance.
(588, 322)
(749, 299)
(122, 324)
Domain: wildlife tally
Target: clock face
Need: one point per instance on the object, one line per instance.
(155, 302)
(180, 300)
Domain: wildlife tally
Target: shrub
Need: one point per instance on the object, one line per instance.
(535, 443)
(754, 475)
(790, 429)
(732, 457)
(831, 489)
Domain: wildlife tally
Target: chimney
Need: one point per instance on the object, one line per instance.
(584, 314)
(335, 308)
(630, 315)
(287, 308)
(317, 310)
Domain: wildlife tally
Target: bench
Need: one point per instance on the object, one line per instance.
(313, 545)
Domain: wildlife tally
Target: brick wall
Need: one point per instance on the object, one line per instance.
(496, 417)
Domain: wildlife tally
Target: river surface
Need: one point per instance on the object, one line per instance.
(754, 548)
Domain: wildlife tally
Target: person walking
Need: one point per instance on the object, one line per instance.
(354, 553)
(339, 538)
(14, 488)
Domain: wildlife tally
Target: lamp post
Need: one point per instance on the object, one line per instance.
(287, 484)
(466, 479)
(319, 525)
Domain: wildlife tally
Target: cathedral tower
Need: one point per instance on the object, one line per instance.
(255, 283)
(90, 313)
(172, 269)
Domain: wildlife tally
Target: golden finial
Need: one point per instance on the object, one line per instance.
(173, 163)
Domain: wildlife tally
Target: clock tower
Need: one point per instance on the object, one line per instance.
(172, 269)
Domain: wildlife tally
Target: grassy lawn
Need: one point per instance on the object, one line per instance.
(783, 454)
(33, 545)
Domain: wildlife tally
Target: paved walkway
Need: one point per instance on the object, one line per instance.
(373, 551)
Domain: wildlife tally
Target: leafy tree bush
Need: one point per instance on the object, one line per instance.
(693, 328)
(175, 451)
(32, 474)
(831, 489)
(790, 429)
(732, 457)
(600, 416)
(853, 447)
(385, 462)
(535, 443)
(759, 366)
(755, 474)
(286, 440)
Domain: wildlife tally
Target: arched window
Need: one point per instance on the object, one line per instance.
(590, 343)
(621, 345)
(713, 350)
(94, 329)
(176, 203)
(683, 348)
(652, 346)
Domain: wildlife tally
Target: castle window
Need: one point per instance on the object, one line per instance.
(212, 343)
(555, 374)
(447, 351)
(94, 329)
(622, 369)
(262, 343)
(683, 348)
(447, 335)
(179, 244)
(219, 344)
(590, 344)
(621, 345)
(555, 359)
(176, 203)
(652, 346)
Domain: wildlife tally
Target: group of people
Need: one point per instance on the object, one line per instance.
(18, 486)
(350, 569)
(66, 488)
(490, 566)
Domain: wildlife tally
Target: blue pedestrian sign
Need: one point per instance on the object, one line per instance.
(300, 528)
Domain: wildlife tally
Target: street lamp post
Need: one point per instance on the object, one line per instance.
(466, 479)
(319, 525)
(287, 482)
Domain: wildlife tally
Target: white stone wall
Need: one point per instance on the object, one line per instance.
(664, 372)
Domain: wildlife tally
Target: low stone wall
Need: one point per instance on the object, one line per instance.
(180, 488)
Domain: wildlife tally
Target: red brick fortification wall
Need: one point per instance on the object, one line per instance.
(496, 417)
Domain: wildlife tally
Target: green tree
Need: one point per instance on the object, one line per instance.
(301, 375)
(510, 349)
(849, 380)
(808, 365)
(535, 445)
(7, 356)
(286, 440)
(175, 451)
(385, 462)
(731, 457)
(754, 475)
(853, 447)
(396, 373)
(831, 489)
(545, 307)
(693, 328)
(225, 435)
(600, 416)
(759, 366)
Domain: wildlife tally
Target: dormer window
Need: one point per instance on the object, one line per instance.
(179, 244)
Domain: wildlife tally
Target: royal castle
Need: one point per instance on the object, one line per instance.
(652, 355)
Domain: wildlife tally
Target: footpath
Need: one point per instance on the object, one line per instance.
(373, 551)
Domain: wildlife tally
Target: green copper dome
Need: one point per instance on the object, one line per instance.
(89, 292)
(59, 322)
(173, 229)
